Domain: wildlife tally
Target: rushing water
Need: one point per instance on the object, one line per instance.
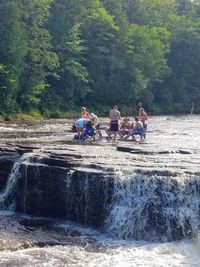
(60, 243)
(6, 196)
(154, 208)
(85, 247)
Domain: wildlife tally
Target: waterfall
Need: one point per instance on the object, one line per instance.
(86, 200)
(25, 187)
(7, 200)
(153, 207)
(87, 196)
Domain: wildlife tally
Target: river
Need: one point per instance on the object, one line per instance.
(38, 241)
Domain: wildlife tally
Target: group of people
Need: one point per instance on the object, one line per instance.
(87, 126)
(127, 128)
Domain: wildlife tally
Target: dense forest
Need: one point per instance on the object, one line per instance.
(57, 55)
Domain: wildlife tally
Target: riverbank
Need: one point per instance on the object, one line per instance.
(57, 114)
(34, 116)
(74, 114)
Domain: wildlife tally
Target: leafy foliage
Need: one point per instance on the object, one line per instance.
(56, 55)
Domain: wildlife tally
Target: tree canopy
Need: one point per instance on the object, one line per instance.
(56, 55)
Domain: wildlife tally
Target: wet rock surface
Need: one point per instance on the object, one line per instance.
(172, 144)
(8, 156)
(63, 192)
(20, 232)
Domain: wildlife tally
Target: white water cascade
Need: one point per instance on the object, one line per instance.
(7, 200)
(154, 207)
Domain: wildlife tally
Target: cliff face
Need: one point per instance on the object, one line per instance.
(55, 186)
(8, 156)
(78, 195)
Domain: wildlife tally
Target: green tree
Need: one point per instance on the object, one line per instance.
(99, 31)
(72, 82)
(140, 60)
(40, 61)
(151, 12)
(12, 52)
(7, 90)
(184, 82)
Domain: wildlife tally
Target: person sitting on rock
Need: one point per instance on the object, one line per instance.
(137, 130)
(125, 127)
(89, 131)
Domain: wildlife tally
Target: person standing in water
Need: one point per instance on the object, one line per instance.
(143, 118)
(114, 116)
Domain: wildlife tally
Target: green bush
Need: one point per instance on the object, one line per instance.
(35, 113)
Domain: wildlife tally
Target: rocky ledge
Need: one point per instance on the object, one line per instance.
(92, 185)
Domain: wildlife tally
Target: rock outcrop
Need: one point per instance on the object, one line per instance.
(64, 192)
(8, 156)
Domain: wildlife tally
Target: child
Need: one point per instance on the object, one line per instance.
(89, 130)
